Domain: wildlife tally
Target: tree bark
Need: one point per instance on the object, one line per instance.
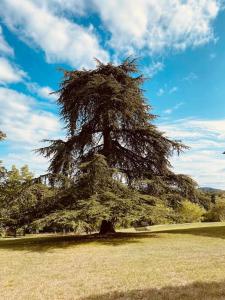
(107, 146)
(106, 227)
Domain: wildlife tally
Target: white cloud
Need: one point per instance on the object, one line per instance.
(153, 69)
(214, 128)
(206, 167)
(72, 7)
(61, 39)
(22, 121)
(165, 89)
(160, 92)
(204, 161)
(143, 26)
(168, 111)
(41, 91)
(4, 46)
(190, 77)
(173, 90)
(46, 92)
(37, 164)
(172, 109)
(25, 126)
(158, 25)
(10, 73)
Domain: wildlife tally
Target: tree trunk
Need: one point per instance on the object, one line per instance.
(107, 146)
(106, 227)
(9, 232)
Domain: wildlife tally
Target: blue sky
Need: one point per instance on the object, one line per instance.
(181, 45)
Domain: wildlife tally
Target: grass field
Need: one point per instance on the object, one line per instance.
(160, 262)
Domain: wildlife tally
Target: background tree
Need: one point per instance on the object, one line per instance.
(216, 213)
(22, 200)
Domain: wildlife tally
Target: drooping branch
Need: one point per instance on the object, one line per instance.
(105, 112)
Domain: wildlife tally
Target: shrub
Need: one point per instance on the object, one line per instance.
(217, 212)
(189, 212)
(160, 214)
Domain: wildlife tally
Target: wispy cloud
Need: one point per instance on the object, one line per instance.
(204, 161)
(173, 90)
(190, 77)
(25, 125)
(22, 120)
(61, 39)
(172, 109)
(5, 48)
(157, 26)
(153, 69)
(44, 92)
(167, 90)
(9, 72)
(160, 92)
(133, 27)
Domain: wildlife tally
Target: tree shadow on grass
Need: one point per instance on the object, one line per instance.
(194, 291)
(216, 232)
(51, 242)
(40, 243)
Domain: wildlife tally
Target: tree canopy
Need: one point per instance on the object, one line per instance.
(105, 112)
(113, 167)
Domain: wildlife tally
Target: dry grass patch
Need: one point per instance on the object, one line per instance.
(187, 263)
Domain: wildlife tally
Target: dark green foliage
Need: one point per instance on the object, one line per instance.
(97, 196)
(105, 113)
(110, 136)
(13, 182)
(205, 199)
(21, 201)
(59, 221)
(172, 188)
(112, 169)
(217, 211)
(159, 213)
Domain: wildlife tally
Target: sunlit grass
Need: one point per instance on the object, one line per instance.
(182, 262)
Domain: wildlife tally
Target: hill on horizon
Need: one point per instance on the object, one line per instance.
(211, 190)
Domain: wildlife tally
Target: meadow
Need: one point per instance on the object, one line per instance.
(184, 261)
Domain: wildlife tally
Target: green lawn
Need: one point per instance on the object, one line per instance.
(160, 262)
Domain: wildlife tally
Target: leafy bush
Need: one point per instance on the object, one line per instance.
(217, 212)
(159, 214)
(189, 212)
